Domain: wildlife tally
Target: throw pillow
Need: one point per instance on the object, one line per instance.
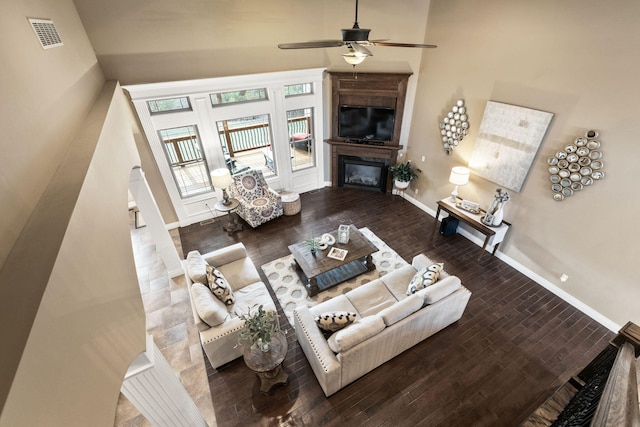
(196, 267)
(360, 331)
(425, 277)
(209, 308)
(335, 320)
(219, 285)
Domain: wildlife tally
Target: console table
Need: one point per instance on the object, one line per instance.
(493, 235)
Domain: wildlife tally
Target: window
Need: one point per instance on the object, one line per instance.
(238, 96)
(184, 155)
(169, 105)
(246, 143)
(298, 89)
(238, 122)
(300, 131)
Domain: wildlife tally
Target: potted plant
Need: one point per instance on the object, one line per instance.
(313, 244)
(403, 174)
(259, 327)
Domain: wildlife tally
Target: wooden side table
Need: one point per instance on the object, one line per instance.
(233, 225)
(268, 364)
(495, 235)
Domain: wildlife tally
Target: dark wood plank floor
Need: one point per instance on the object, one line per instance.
(515, 344)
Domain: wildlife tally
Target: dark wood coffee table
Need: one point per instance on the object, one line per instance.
(319, 272)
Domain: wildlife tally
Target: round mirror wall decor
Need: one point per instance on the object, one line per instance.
(454, 126)
(576, 166)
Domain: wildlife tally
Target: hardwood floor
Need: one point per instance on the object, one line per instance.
(515, 344)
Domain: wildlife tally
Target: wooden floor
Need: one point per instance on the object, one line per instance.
(515, 344)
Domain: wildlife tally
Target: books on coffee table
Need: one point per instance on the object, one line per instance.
(339, 254)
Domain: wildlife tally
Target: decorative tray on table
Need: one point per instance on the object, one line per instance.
(468, 206)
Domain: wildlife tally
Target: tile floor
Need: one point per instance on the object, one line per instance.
(170, 322)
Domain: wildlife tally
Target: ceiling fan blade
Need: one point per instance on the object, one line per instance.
(358, 47)
(312, 44)
(391, 44)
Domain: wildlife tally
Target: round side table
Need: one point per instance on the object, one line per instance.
(290, 203)
(268, 364)
(233, 224)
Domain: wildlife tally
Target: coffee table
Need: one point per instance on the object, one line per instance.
(319, 272)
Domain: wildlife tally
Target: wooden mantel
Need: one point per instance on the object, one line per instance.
(368, 90)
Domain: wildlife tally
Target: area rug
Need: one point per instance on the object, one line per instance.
(291, 293)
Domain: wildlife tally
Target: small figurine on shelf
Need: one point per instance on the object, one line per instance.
(495, 213)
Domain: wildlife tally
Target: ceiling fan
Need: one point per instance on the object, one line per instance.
(356, 39)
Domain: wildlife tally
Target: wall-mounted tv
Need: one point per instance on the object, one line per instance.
(366, 123)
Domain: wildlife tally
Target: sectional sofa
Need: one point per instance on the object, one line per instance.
(388, 322)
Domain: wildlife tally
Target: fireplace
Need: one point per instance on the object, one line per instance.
(366, 173)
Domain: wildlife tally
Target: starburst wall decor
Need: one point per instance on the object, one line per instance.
(454, 127)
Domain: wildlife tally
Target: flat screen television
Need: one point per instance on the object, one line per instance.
(366, 123)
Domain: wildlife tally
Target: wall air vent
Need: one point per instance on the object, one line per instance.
(46, 32)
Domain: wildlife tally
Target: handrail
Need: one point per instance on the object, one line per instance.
(251, 137)
(618, 406)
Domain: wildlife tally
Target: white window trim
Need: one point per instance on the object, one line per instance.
(198, 208)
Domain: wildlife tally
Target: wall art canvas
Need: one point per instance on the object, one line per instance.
(507, 142)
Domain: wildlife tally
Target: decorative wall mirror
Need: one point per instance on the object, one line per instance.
(454, 126)
(576, 166)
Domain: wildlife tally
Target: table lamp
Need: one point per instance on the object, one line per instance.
(459, 176)
(221, 178)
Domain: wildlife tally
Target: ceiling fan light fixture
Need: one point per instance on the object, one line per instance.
(354, 58)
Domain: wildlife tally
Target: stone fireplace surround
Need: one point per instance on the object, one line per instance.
(367, 89)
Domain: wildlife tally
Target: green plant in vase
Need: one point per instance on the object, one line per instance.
(313, 244)
(403, 174)
(259, 327)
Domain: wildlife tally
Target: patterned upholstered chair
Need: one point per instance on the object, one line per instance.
(257, 202)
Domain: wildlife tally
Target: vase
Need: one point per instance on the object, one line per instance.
(498, 215)
(264, 346)
(401, 185)
(487, 219)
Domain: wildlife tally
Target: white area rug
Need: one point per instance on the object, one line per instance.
(291, 293)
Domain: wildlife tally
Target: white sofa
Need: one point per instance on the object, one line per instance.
(220, 341)
(388, 322)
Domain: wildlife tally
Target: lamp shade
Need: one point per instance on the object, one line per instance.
(459, 175)
(221, 178)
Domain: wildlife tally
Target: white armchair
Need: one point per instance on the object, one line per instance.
(257, 202)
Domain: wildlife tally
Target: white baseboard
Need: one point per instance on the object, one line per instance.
(595, 315)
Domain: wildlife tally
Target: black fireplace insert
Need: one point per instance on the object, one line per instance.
(366, 173)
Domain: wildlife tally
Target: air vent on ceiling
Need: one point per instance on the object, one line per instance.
(46, 32)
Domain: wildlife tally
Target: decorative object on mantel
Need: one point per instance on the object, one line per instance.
(454, 127)
(494, 215)
(403, 174)
(507, 142)
(577, 166)
(459, 176)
